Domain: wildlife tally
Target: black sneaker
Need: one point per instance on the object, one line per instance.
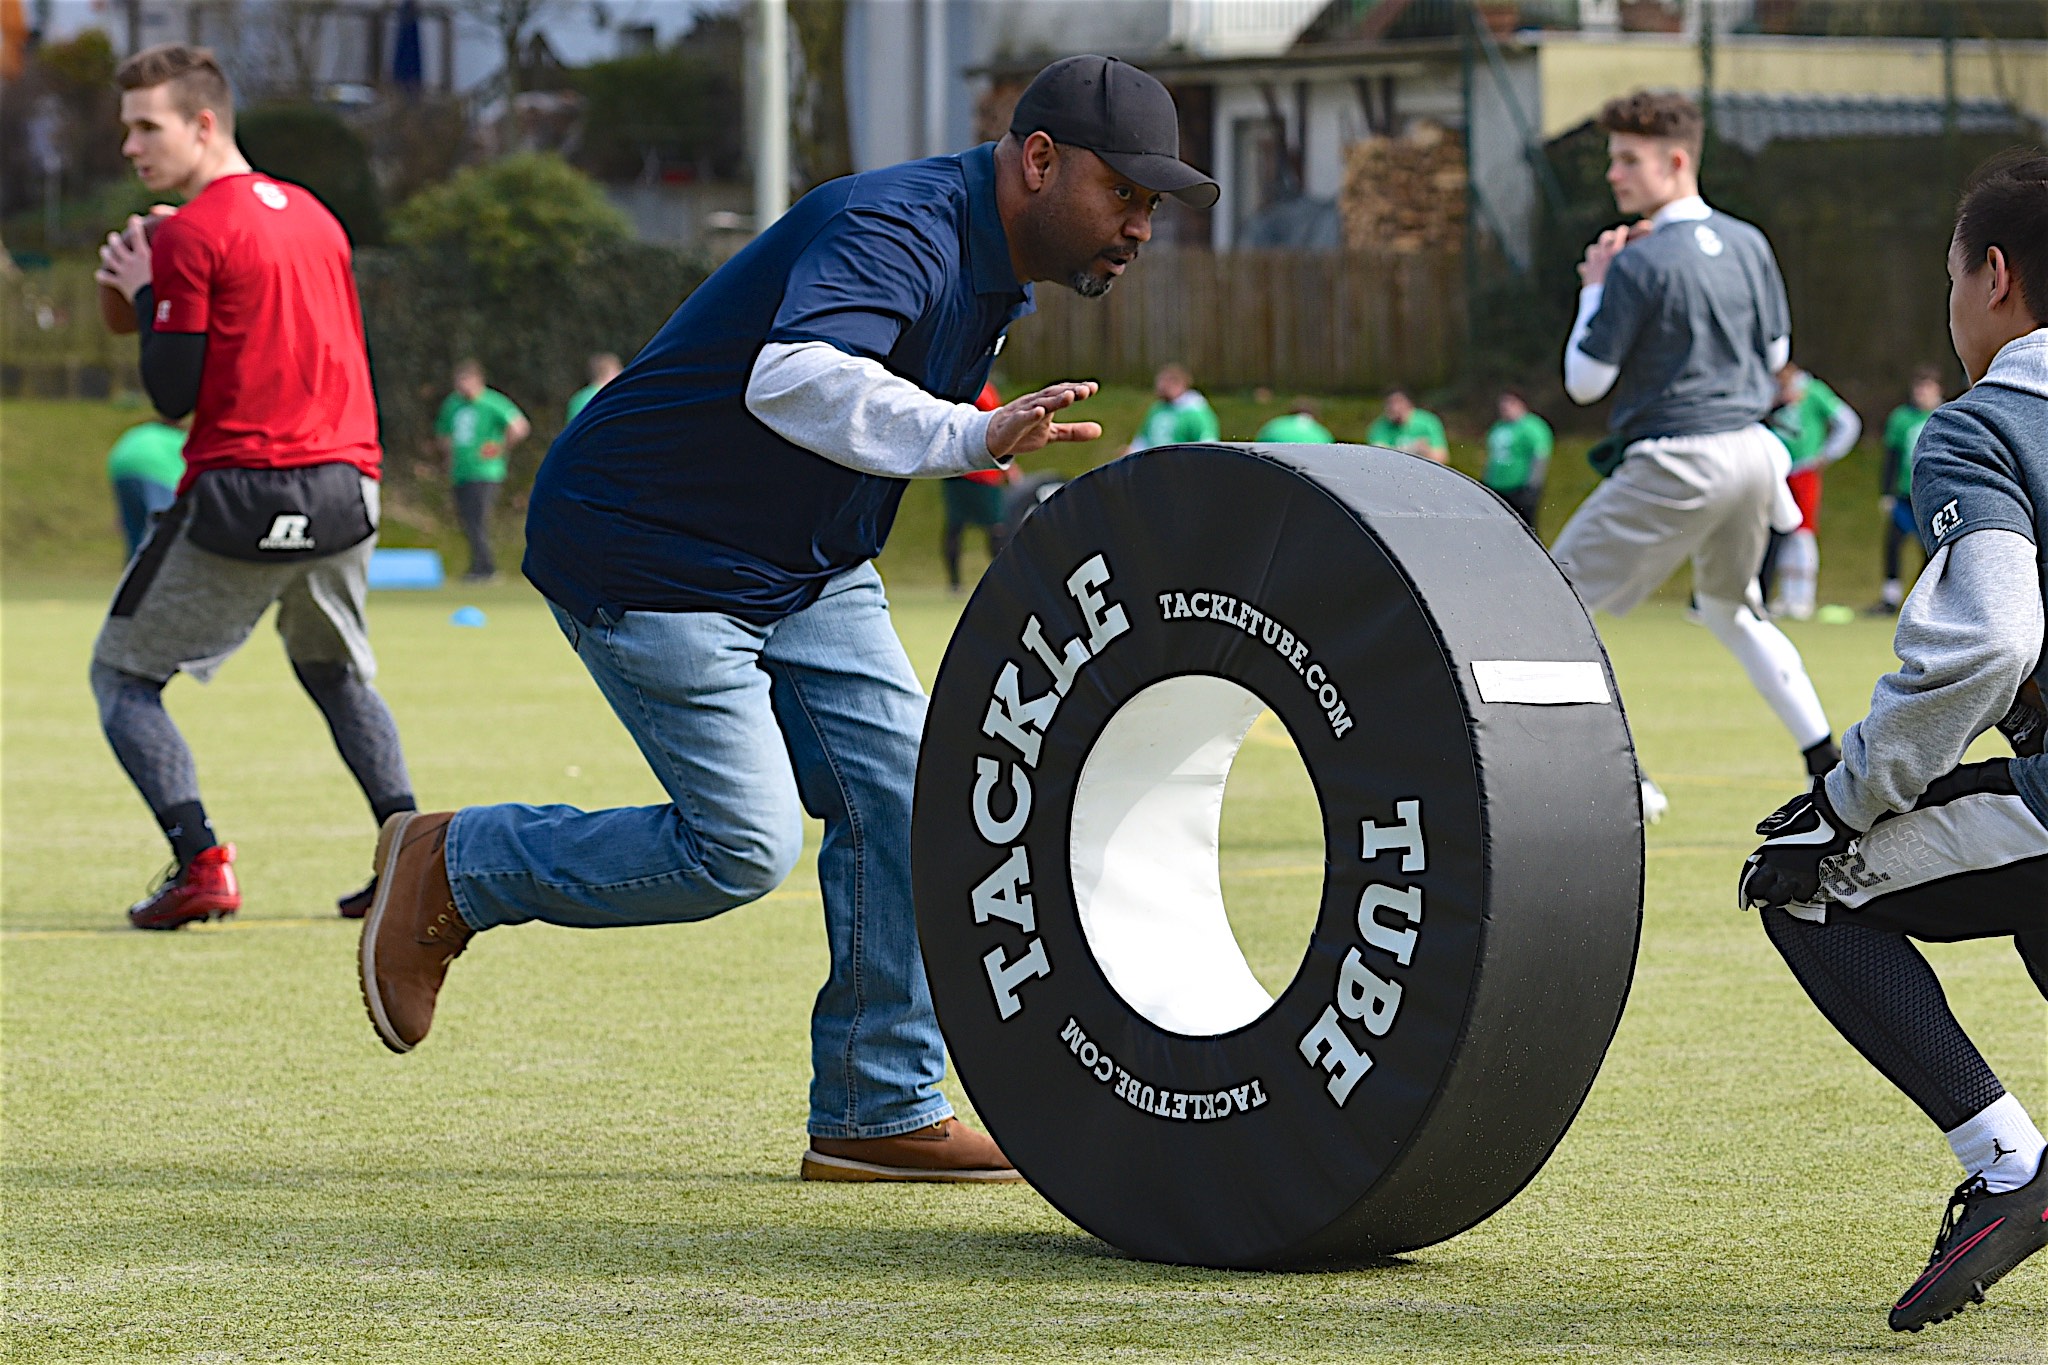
(1983, 1235)
(356, 904)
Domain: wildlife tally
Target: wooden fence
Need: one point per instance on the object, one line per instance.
(1297, 321)
(51, 342)
(1294, 320)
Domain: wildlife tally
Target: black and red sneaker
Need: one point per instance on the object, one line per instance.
(1983, 1235)
(202, 889)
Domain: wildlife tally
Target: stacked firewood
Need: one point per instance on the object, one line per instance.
(1405, 194)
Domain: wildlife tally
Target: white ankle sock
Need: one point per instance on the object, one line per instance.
(1773, 664)
(2001, 1143)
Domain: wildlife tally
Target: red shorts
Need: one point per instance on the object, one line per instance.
(1805, 486)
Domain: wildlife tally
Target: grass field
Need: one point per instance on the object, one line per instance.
(57, 523)
(207, 1157)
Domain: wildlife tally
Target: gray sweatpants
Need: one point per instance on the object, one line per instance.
(1704, 498)
(181, 609)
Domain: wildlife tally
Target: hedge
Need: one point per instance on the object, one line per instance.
(424, 310)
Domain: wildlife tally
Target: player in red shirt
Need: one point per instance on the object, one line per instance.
(247, 312)
(975, 499)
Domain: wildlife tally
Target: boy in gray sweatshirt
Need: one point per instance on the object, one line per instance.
(1902, 840)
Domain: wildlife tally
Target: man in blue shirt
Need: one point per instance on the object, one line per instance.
(703, 531)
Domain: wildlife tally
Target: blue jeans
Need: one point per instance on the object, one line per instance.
(138, 501)
(748, 727)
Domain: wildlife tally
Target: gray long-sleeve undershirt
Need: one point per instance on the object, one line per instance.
(1845, 428)
(854, 412)
(1968, 636)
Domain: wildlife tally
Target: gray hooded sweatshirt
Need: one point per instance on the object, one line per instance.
(1971, 632)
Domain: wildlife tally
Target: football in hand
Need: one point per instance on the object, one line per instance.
(117, 312)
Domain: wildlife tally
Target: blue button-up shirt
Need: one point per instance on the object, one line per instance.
(666, 494)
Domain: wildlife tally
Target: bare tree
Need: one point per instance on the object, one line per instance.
(295, 31)
(823, 151)
(513, 20)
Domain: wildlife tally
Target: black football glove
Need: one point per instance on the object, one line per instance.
(1798, 837)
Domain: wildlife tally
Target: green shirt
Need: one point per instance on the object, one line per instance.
(1516, 453)
(1187, 418)
(578, 399)
(472, 425)
(1803, 425)
(151, 451)
(1901, 433)
(1296, 427)
(1420, 434)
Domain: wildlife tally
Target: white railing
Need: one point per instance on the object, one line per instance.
(1241, 28)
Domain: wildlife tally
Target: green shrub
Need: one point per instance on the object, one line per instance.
(85, 63)
(514, 223)
(310, 145)
(677, 104)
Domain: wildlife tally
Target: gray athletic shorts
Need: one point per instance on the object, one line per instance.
(1970, 860)
(1674, 498)
(181, 609)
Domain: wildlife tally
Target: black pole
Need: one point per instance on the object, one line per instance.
(1465, 65)
(1706, 18)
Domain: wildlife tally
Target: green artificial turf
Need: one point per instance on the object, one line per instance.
(207, 1156)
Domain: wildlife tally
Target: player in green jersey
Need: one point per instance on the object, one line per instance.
(1895, 480)
(477, 429)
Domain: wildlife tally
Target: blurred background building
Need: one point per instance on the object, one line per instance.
(1412, 178)
(1282, 99)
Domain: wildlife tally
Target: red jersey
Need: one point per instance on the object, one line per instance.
(262, 268)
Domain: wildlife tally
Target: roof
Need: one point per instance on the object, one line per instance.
(1304, 62)
(1752, 121)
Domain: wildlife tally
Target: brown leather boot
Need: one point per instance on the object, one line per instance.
(947, 1151)
(412, 931)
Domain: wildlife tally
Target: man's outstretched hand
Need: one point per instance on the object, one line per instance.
(1025, 424)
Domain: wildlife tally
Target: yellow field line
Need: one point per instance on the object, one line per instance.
(786, 893)
(230, 926)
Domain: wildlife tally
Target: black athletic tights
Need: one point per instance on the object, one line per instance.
(1894, 538)
(1876, 988)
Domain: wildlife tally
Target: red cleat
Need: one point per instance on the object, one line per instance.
(203, 889)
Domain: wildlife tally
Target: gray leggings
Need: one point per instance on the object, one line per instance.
(159, 763)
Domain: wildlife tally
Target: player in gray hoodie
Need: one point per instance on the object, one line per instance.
(1902, 840)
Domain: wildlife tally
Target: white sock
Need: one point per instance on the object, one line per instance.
(1799, 574)
(1773, 664)
(2001, 1144)
(1894, 592)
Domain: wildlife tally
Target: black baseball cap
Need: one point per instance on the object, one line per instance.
(1121, 114)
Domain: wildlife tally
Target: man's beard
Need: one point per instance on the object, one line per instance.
(1090, 285)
